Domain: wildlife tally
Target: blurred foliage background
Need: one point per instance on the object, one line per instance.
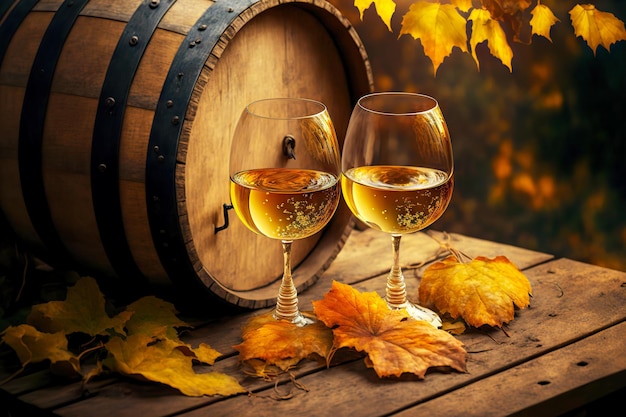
(540, 153)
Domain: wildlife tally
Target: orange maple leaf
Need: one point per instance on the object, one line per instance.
(394, 343)
(439, 27)
(483, 292)
(596, 27)
(269, 342)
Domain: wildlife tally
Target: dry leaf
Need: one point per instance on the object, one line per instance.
(482, 292)
(142, 341)
(154, 317)
(162, 361)
(394, 343)
(596, 27)
(484, 28)
(32, 346)
(439, 27)
(268, 342)
(542, 21)
(384, 8)
(82, 311)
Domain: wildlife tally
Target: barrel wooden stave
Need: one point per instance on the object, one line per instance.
(301, 48)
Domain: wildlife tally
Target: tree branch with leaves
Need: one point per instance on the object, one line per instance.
(442, 25)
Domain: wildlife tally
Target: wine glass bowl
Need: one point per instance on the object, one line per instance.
(288, 187)
(398, 174)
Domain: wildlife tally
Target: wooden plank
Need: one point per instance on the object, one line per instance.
(360, 258)
(591, 298)
(368, 253)
(572, 301)
(550, 385)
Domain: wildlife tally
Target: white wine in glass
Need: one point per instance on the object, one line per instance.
(291, 189)
(398, 174)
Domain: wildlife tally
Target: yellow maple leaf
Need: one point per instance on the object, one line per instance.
(269, 342)
(542, 21)
(483, 292)
(439, 27)
(484, 28)
(82, 311)
(33, 346)
(161, 361)
(384, 8)
(596, 27)
(394, 343)
(154, 317)
(462, 5)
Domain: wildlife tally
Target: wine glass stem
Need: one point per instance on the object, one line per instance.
(287, 303)
(396, 287)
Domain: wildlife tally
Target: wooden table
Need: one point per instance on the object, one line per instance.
(567, 350)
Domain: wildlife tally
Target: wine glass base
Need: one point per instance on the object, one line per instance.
(420, 313)
(299, 320)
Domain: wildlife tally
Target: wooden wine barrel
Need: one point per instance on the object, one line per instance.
(116, 120)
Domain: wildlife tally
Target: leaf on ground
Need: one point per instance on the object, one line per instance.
(596, 27)
(384, 8)
(484, 28)
(483, 292)
(32, 346)
(439, 27)
(542, 21)
(82, 311)
(162, 361)
(268, 342)
(154, 317)
(394, 343)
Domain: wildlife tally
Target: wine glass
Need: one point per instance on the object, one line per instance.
(287, 188)
(398, 174)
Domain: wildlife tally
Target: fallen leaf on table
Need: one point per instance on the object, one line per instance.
(82, 311)
(268, 342)
(162, 361)
(141, 341)
(32, 346)
(394, 343)
(483, 292)
(154, 317)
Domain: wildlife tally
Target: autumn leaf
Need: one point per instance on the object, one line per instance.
(542, 21)
(154, 317)
(462, 5)
(269, 342)
(82, 311)
(384, 8)
(439, 27)
(596, 27)
(394, 343)
(145, 342)
(484, 28)
(483, 292)
(162, 361)
(33, 346)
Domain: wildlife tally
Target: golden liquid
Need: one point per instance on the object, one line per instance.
(397, 199)
(284, 203)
